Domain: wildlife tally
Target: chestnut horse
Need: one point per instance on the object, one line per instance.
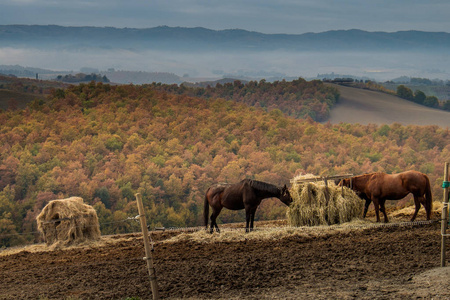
(246, 194)
(379, 187)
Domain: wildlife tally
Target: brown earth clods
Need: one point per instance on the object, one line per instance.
(370, 263)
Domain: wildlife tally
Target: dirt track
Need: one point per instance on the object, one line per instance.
(374, 263)
(364, 107)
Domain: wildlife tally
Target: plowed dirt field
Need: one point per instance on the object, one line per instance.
(372, 107)
(369, 263)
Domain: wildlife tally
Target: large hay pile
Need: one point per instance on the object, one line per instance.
(311, 206)
(68, 221)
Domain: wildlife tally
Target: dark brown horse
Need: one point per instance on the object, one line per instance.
(379, 187)
(246, 194)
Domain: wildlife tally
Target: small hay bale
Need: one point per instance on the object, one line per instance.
(311, 207)
(68, 221)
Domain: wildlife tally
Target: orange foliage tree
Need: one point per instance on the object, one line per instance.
(106, 143)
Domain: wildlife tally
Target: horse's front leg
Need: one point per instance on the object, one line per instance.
(366, 207)
(377, 209)
(252, 218)
(247, 220)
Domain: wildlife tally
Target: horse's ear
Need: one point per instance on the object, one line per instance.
(285, 190)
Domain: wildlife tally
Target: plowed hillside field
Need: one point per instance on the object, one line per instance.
(371, 107)
(395, 262)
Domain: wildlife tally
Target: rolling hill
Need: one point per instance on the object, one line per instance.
(371, 107)
(164, 37)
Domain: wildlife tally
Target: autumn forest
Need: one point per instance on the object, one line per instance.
(105, 143)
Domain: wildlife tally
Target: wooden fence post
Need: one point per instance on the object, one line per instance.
(327, 193)
(148, 251)
(444, 216)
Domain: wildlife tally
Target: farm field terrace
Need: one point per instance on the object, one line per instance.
(395, 262)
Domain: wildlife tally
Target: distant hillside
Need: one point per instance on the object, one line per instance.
(20, 71)
(16, 93)
(178, 38)
(297, 98)
(204, 84)
(370, 107)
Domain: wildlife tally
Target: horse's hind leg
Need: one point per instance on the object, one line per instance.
(428, 209)
(377, 209)
(426, 206)
(213, 224)
(217, 227)
(214, 215)
(417, 205)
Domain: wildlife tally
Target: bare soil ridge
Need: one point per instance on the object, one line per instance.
(372, 107)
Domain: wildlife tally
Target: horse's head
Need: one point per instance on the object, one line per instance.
(286, 196)
(350, 183)
(345, 182)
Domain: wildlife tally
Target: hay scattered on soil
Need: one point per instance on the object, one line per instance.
(312, 207)
(408, 211)
(104, 241)
(68, 221)
(238, 235)
(228, 235)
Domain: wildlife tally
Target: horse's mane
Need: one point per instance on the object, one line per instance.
(366, 175)
(264, 186)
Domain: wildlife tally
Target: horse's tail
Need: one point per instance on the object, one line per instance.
(428, 198)
(206, 210)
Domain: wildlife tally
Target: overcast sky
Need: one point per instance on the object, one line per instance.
(267, 16)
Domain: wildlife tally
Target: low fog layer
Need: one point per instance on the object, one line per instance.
(216, 64)
(200, 52)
